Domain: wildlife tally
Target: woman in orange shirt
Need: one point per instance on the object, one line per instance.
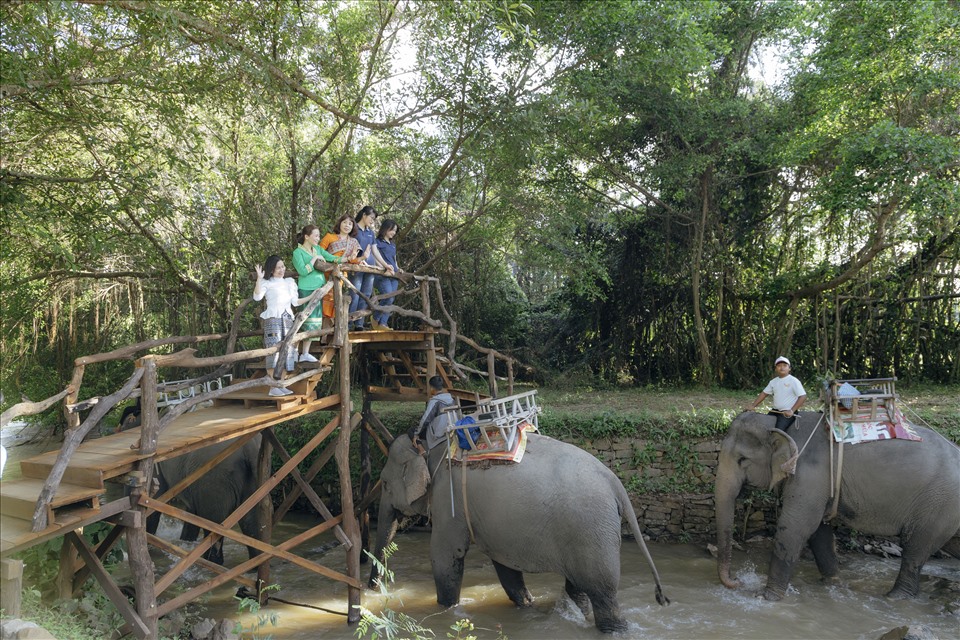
(342, 241)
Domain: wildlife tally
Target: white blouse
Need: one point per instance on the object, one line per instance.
(281, 295)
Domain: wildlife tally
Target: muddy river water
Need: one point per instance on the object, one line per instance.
(853, 607)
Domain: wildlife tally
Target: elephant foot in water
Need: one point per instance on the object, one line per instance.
(770, 595)
(512, 582)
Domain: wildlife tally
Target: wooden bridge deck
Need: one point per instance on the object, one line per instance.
(115, 455)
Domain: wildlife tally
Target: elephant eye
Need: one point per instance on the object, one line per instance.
(740, 461)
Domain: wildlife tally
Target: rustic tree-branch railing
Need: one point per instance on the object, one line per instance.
(71, 480)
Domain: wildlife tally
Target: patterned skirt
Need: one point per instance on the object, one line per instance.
(274, 331)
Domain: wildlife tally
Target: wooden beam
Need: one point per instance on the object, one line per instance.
(140, 627)
(230, 574)
(178, 569)
(304, 487)
(265, 548)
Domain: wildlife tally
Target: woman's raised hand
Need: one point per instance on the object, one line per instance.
(259, 271)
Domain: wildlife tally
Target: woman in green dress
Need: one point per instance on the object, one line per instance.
(305, 259)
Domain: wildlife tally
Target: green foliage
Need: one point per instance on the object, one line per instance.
(249, 605)
(391, 624)
(90, 617)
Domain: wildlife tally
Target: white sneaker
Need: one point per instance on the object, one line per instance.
(279, 391)
(307, 357)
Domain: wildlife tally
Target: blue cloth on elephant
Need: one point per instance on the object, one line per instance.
(462, 438)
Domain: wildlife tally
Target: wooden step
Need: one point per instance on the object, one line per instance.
(252, 397)
(18, 498)
(39, 468)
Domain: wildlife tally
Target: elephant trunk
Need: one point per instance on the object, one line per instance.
(387, 521)
(728, 486)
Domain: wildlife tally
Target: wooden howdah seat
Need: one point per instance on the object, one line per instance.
(497, 420)
(876, 398)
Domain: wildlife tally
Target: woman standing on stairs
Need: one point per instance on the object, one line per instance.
(386, 284)
(341, 242)
(306, 257)
(281, 295)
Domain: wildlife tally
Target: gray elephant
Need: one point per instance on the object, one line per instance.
(216, 494)
(891, 488)
(559, 510)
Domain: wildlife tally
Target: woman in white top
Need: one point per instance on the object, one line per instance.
(281, 294)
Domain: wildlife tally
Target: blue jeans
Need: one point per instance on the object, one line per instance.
(363, 282)
(385, 284)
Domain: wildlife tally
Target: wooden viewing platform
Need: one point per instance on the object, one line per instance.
(62, 491)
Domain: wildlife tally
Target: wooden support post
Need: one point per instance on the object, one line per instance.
(69, 564)
(349, 524)
(264, 472)
(510, 377)
(73, 419)
(425, 299)
(365, 473)
(492, 373)
(11, 586)
(141, 565)
(431, 357)
(341, 314)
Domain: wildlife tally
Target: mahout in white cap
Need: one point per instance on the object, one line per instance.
(781, 359)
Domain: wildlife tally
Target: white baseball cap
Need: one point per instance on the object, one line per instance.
(781, 359)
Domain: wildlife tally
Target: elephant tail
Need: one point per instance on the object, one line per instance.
(626, 510)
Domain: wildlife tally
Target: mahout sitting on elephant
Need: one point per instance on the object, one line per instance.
(893, 487)
(559, 510)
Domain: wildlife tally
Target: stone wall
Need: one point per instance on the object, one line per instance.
(671, 488)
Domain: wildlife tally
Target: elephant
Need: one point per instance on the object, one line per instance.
(558, 510)
(897, 487)
(216, 494)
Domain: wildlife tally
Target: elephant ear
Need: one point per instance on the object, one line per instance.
(783, 458)
(416, 478)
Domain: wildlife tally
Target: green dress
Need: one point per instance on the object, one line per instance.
(311, 279)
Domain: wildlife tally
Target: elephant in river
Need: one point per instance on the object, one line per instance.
(559, 510)
(216, 494)
(894, 487)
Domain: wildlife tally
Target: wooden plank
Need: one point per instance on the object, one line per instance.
(29, 489)
(81, 476)
(17, 536)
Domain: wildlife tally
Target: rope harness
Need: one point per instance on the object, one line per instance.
(463, 487)
(790, 466)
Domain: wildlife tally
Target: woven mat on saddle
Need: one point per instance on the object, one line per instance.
(493, 457)
(852, 428)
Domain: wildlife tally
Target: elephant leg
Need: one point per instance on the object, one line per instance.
(916, 552)
(153, 523)
(512, 582)
(189, 532)
(606, 611)
(579, 597)
(793, 531)
(215, 553)
(823, 546)
(446, 558)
